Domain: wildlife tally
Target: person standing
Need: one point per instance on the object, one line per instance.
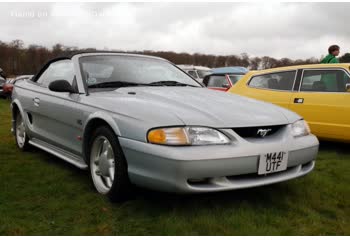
(329, 80)
(333, 52)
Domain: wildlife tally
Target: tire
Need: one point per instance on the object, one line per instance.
(108, 167)
(22, 140)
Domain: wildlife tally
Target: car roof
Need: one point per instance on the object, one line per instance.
(89, 53)
(230, 70)
(23, 76)
(223, 74)
(192, 67)
(337, 65)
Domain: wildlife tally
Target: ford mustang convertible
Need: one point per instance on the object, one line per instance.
(134, 119)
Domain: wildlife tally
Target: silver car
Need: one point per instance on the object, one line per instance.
(133, 119)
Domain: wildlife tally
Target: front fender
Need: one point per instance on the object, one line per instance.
(88, 127)
(104, 117)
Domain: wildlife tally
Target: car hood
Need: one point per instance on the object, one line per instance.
(165, 106)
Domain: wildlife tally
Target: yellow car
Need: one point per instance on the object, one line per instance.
(320, 93)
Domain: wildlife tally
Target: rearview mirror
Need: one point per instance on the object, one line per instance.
(61, 86)
(347, 87)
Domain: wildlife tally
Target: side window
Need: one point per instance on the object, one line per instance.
(324, 81)
(192, 73)
(277, 81)
(217, 81)
(235, 78)
(61, 70)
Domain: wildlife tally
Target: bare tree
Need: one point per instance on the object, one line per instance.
(17, 59)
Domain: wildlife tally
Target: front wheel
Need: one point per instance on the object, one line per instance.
(108, 166)
(20, 133)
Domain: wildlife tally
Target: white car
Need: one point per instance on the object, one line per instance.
(197, 72)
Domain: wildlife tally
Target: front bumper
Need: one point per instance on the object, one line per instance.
(223, 167)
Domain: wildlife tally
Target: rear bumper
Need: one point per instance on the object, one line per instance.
(219, 167)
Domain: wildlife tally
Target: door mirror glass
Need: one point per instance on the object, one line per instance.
(61, 86)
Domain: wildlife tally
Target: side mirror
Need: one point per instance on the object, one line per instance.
(226, 85)
(347, 87)
(61, 86)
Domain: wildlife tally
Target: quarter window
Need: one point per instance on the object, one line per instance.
(235, 78)
(324, 81)
(61, 70)
(277, 81)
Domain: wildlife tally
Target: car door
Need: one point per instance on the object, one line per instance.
(275, 87)
(324, 102)
(56, 115)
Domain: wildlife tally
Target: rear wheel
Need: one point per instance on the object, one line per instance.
(108, 167)
(20, 133)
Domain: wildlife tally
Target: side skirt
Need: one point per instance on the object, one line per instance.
(60, 153)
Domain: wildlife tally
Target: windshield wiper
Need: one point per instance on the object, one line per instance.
(118, 84)
(170, 83)
(115, 84)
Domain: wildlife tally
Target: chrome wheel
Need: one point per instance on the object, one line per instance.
(20, 131)
(102, 164)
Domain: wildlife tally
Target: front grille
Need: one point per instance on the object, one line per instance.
(252, 179)
(256, 176)
(257, 132)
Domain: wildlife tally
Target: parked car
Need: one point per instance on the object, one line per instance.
(197, 72)
(319, 93)
(116, 115)
(8, 86)
(224, 78)
(2, 82)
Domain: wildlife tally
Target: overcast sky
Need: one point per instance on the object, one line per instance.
(294, 30)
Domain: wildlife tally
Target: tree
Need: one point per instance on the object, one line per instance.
(345, 58)
(16, 58)
(254, 63)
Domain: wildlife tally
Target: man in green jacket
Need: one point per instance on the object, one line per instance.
(333, 52)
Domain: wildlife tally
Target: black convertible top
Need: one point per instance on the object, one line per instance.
(70, 55)
(73, 53)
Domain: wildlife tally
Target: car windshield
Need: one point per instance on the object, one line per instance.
(113, 71)
(203, 73)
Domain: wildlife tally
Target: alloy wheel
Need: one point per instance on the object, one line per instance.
(102, 164)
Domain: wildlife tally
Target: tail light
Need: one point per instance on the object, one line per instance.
(7, 88)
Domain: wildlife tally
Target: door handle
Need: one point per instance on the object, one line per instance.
(299, 100)
(36, 101)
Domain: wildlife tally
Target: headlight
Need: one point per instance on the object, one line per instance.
(186, 136)
(300, 128)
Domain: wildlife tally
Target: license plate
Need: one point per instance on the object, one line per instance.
(273, 162)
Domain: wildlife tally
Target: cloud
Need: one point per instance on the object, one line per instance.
(295, 30)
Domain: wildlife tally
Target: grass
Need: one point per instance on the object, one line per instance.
(42, 195)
